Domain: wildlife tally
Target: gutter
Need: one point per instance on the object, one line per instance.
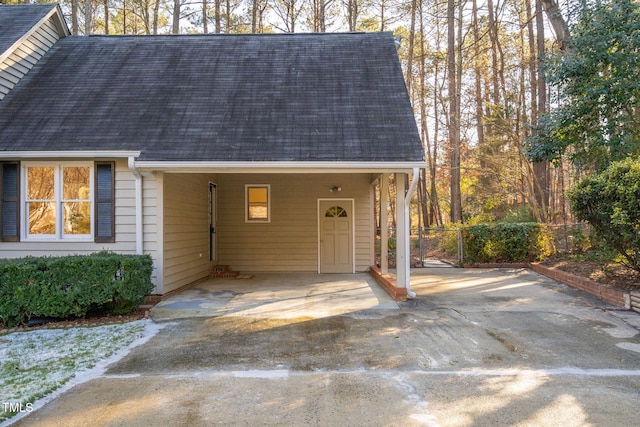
(407, 204)
(74, 154)
(277, 166)
(139, 216)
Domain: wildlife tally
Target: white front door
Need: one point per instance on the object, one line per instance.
(336, 235)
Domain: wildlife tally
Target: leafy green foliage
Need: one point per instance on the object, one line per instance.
(506, 242)
(610, 202)
(61, 287)
(597, 82)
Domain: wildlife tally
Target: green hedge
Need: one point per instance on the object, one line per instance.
(506, 242)
(62, 287)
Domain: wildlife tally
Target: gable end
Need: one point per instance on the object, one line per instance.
(17, 60)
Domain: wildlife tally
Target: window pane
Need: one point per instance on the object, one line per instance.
(77, 217)
(257, 195)
(40, 183)
(75, 182)
(258, 212)
(336, 211)
(42, 217)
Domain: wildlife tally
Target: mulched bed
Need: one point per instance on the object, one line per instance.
(87, 321)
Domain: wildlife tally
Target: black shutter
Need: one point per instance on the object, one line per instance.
(105, 224)
(10, 201)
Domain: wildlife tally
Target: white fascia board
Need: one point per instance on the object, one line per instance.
(278, 167)
(102, 154)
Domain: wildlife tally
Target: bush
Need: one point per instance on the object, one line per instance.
(610, 203)
(62, 287)
(507, 242)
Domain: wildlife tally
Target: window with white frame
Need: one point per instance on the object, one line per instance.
(257, 203)
(71, 201)
(58, 200)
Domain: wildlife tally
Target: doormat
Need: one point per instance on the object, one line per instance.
(244, 276)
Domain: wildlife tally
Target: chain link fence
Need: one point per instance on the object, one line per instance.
(438, 247)
(430, 247)
(571, 238)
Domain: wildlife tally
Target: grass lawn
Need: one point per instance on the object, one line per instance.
(33, 364)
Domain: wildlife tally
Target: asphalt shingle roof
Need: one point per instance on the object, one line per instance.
(286, 97)
(16, 20)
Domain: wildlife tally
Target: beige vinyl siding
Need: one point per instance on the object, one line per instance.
(186, 229)
(26, 54)
(152, 217)
(290, 241)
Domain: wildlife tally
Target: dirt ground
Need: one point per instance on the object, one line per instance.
(609, 274)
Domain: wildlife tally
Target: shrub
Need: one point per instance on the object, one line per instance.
(610, 203)
(62, 287)
(507, 242)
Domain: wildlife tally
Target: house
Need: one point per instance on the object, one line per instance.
(255, 151)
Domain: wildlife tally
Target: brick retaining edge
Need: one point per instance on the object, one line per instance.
(606, 293)
(388, 282)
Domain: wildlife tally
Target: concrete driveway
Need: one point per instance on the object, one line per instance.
(475, 348)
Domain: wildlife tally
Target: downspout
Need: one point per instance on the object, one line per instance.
(407, 206)
(138, 196)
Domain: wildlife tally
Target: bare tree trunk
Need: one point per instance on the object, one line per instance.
(319, 19)
(412, 33)
(541, 169)
(557, 22)
(205, 17)
(176, 17)
(156, 14)
(493, 36)
(478, 79)
(254, 16)
(432, 153)
(74, 17)
(106, 16)
(353, 11)
(145, 13)
(88, 11)
(454, 115)
(423, 192)
(227, 18)
(218, 17)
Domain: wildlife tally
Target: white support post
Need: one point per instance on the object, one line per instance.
(402, 234)
(384, 224)
(138, 205)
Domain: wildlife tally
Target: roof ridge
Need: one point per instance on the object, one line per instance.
(218, 35)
